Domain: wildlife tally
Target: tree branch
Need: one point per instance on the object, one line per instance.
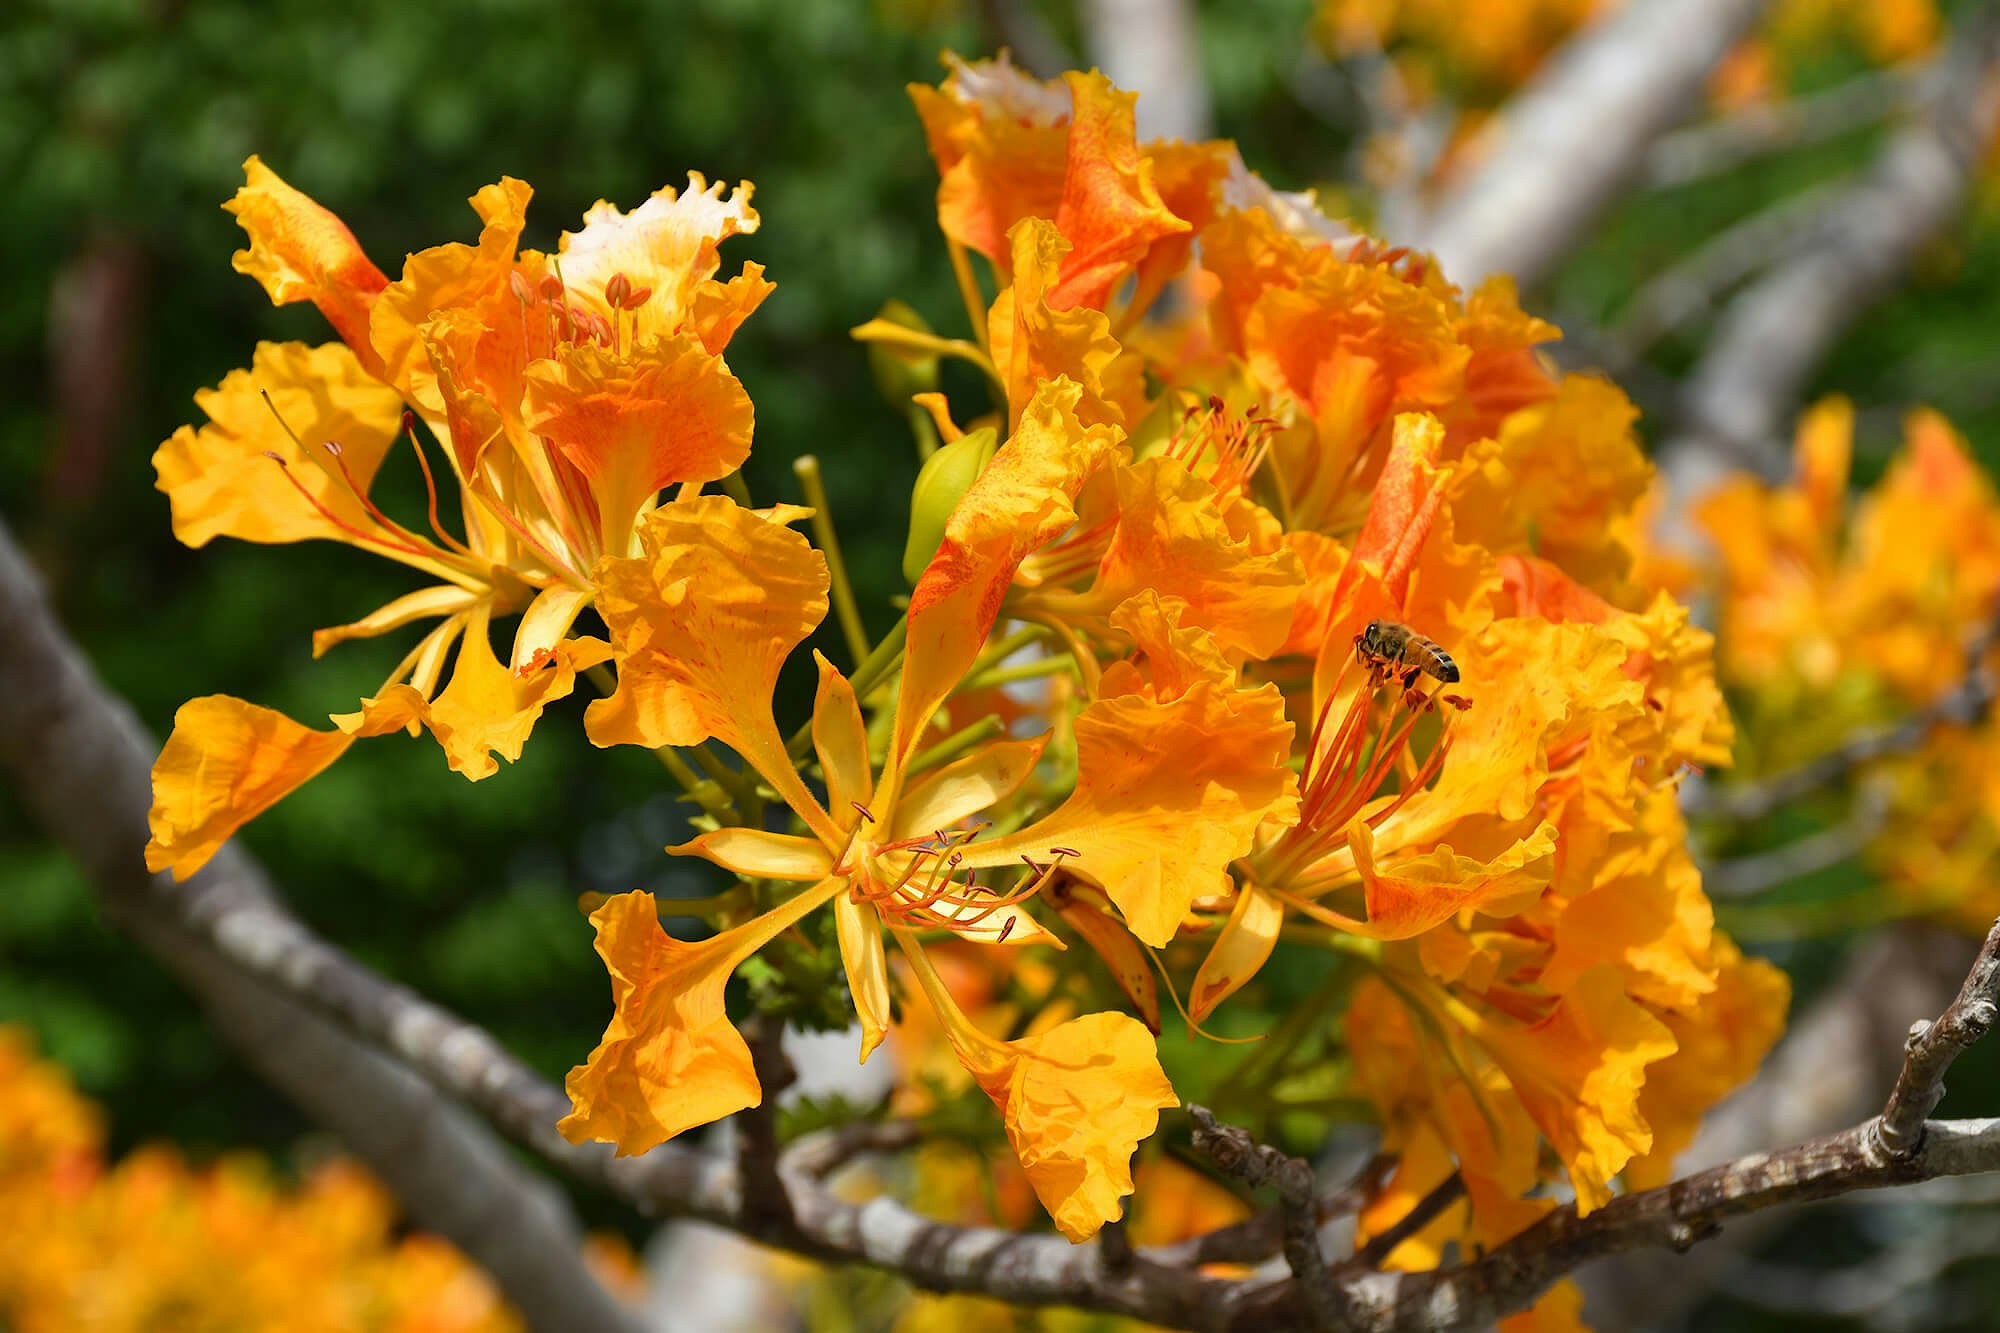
(1933, 1046)
(82, 764)
(84, 748)
(1571, 139)
(1742, 392)
(1256, 1164)
(1757, 131)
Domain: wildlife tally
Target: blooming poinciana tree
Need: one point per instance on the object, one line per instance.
(1138, 707)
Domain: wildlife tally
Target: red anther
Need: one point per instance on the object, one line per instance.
(1458, 701)
(1006, 929)
(275, 459)
(1064, 851)
(519, 286)
(639, 297)
(331, 446)
(617, 290)
(862, 810)
(552, 287)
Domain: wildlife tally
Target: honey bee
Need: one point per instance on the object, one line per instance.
(1399, 650)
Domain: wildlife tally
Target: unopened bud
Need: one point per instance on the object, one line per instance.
(944, 477)
(900, 370)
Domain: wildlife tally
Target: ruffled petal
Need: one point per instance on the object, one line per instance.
(670, 1059)
(1111, 212)
(1168, 793)
(243, 476)
(701, 620)
(1033, 342)
(300, 251)
(227, 762)
(1243, 947)
(667, 246)
(670, 412)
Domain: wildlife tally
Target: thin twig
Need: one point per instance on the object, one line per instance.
(1692, 287)
(1933, 1046)
(1730, 141)
(1448, 1192)
(1742, 392)
(820, 1155)
(1748, 876)
(1257, 1164)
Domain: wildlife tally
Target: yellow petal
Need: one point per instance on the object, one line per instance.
(1111, 211)
(1172, 540)
(861, 953)
(701, 621)
(961, 789)
(670, 1059)
(1023, 500)
(1033, 344)
(1579, 1073)
(1415, 891)
(1077, 1100)
(547, 621)
(669, 411)
(446, 599)
(449, 277)
(302, 252)
(1168, 793)
(227, 762)
(1722, 1041)
(221, 480)
(840, 739)
(488, 708)
(1120, 952)
(1242, 948)
(760, 855)
(667, 246)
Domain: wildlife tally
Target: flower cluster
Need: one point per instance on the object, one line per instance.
(1837, 616)
(150, 1242)
(1281, 604)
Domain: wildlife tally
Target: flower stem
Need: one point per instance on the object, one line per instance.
(968, 291)
(844, 606)
(952, 746)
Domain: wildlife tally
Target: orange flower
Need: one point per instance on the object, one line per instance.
(564, 401)
(895, 848)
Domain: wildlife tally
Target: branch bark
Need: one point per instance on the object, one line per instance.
(1571, 140)
(58, 727)
(1742, 393)
(82, 764)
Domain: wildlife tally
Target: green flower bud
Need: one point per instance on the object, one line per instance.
(943, 478)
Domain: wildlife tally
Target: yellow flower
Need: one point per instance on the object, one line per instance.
(566, 391)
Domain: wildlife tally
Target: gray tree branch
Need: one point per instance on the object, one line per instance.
(1578, 133)
(82, 764)
(82, 761)
(1741, 395)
